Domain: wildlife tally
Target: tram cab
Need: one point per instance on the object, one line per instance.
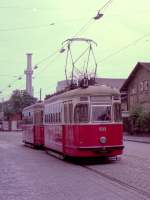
(33, 129)
(84, 122)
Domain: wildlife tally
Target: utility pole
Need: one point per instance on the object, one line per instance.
(40, 94)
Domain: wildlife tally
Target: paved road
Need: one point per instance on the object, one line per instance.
(27, 174)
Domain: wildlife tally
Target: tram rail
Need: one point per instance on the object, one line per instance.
(116, 180)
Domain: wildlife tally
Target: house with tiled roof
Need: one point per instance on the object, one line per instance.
(136, 88)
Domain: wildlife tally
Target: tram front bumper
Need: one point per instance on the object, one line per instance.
(102, 149)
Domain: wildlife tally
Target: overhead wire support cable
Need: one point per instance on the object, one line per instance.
(46, 58)
(125, 47)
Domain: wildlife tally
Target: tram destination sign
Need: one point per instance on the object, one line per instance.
(101, 99)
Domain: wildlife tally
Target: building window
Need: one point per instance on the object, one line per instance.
(81, 113)
(133, 90)
(141, 87)
(145, 85)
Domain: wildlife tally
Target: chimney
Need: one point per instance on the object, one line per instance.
(29, 61)
(29, 73)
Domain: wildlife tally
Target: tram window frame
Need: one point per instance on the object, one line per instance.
(104, 117)
(59, 117)
(65, 113)
(53, 117)
(38, 117)
(49, 118)
(56, 117)
(79, 118)
(118, 117)
(41, 117)
(29, 117)
(68, 112)
(45, 118)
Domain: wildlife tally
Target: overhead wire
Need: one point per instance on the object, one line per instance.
(83, 28)
(45, 67)
(25, 28)
(106, 5)
(124, 47)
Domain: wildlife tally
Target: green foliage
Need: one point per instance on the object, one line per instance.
(18, 101)
(139, 120)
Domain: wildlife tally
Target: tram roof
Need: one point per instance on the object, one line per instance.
(34, 106)
(90, 91)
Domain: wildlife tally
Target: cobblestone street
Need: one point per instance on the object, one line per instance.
(27, 174)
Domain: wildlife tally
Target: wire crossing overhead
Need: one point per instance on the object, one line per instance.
(98, 16)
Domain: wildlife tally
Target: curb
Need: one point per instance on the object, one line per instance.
(136, 140)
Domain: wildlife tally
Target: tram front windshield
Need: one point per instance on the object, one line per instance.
(101, 113)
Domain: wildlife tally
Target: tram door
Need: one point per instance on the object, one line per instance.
(38, 129)
(68, 123)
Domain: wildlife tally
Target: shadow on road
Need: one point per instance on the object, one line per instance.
(92, 161)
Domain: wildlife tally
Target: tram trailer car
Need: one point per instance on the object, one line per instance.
(33, 129)
(84, 122)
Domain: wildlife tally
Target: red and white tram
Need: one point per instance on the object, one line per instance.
(84, 122)
(33, 134)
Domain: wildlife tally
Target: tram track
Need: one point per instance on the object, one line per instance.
(115, 180)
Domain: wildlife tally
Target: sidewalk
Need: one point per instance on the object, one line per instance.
(135, 138)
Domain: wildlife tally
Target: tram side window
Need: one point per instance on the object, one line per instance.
(28, 120)
(101, 113)
(46, 118)
(65, 113)
(59, 115)
(70, 113)
(81, 113)
(41, 117)
(117, 112)
(36, 117)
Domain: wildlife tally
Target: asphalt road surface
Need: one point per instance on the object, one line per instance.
(29, 174)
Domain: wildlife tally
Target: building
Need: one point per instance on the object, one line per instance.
(112, 82)
(136, 88)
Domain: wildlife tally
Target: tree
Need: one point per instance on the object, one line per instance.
(18, 100)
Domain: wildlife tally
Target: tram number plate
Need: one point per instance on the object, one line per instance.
(102, 151)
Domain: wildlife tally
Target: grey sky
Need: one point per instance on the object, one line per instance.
(39, 27)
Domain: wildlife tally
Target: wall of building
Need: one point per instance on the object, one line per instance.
(139, 89)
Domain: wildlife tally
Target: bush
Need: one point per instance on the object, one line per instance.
(139, 120)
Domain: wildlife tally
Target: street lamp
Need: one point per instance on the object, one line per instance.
(98, 16)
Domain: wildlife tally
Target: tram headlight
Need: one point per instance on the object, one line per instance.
(103, 140)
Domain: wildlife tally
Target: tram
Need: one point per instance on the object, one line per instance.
(33, 129)
(84, 122)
